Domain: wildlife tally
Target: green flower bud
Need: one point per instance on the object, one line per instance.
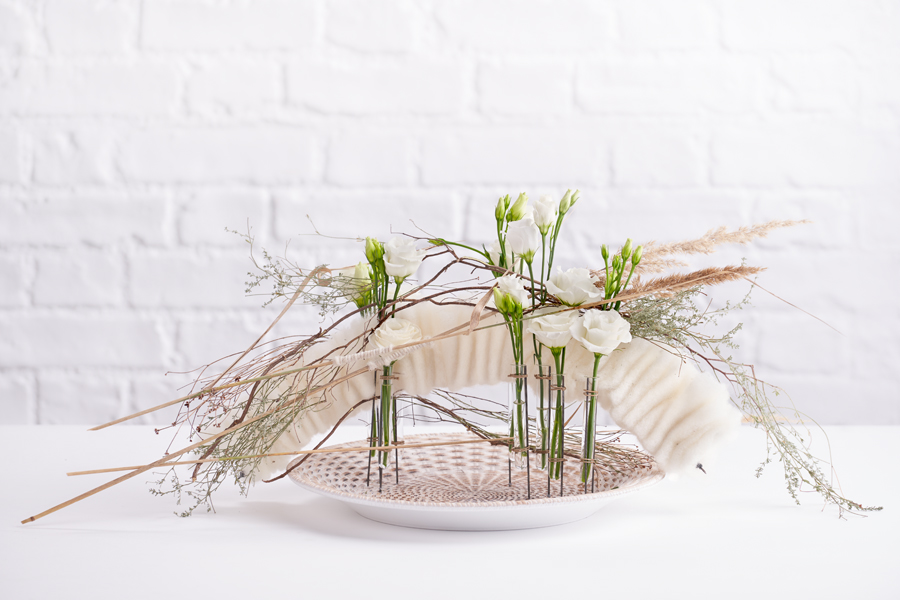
(636, 257)
(576, 196)
(500, 211)
(518, 209)
(565, 203)
(617, 262)
(500, 301)
(604, 252)
(626, 249)
(374, 250)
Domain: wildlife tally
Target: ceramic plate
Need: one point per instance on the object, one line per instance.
(466, 487)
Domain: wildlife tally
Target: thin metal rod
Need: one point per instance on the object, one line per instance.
(527, 437)
(396, 450)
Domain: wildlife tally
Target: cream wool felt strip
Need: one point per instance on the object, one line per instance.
(677, 413)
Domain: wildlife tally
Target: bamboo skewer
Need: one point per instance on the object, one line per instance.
(298, 453)
(212, 387)
(176, 454)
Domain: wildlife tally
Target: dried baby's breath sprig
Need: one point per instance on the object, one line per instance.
(677, 320)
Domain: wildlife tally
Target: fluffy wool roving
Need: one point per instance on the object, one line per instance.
(678, 413)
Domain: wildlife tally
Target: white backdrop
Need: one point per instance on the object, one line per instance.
(132, 133)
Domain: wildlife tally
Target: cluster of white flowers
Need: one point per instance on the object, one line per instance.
(599, 331)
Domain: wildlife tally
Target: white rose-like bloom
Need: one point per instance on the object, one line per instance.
(553, 330)
(396, 332)
(601, 331)
(510, 285)
(523, 238)
(544, 213)
(494, 253)
(401, 258)
(358, 280)
(573, 287)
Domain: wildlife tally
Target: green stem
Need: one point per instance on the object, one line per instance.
(394, 301)
(443, 242)
(627, 281)
(557, 435)
(543, 260)
(590, 427)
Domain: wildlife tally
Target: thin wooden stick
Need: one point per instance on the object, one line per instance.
(212, 386)
(464, 329)
(298, 453)
(177, 453)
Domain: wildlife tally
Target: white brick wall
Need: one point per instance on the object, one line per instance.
(133, 132)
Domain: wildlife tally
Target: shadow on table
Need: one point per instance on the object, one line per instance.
(327, 517)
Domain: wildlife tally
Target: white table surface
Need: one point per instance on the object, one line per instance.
(726, 535)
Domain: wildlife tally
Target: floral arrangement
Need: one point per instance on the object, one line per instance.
(628, 334)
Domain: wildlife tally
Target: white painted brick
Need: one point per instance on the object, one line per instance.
(102, 218)
(526, 26)
(200, 25)
(794, 345)
(809, 24)
(834, 220)
(152, 390)
(666, 25)
(837, 399)
(421, 87)
(205, 215)
(647, 85)
(83, 399)
(91, 26)
(525, 88)
(815, 82)
(878, 215)
(360, 214)
(371, 25)
(18, 31)
(611, 216)
(79, 340)
(79, 278)
(13, 281)
(11, 156)
(234, 87)
(875, 332)
(880, 87)
(16, 401)
(369, 158)
(785, 269)
(183, 281)
(559, 156)
(831, 153)
(658, 158)
(246, 154)
(108, 88)
(77, 154)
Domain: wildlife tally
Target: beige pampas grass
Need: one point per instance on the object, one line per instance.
(655, 259)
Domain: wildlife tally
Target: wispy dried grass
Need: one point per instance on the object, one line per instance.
(668, 285)
(655, 255)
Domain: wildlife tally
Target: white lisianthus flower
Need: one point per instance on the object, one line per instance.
(554, 329)
(523, 238)
(573, 287)
(396, 332)
(401, 258)
(494, 253)
(358, 281)
(601, 331)
(544, 213)
(510, 295)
